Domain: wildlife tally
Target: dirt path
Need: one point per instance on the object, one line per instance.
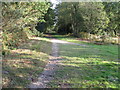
(51, 67)
(48, 73)
(66, 42)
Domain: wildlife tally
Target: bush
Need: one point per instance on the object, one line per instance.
(104, 38)
(94, 37)
(5, 52)
(115, 40)
(13, 39)
(28, 32)
(36, 32)
(84, 35)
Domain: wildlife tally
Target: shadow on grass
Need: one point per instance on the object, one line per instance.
(87, 68)
(19, 77)
(39, 46)
(22, 70)
(91, 76)
(24, 64)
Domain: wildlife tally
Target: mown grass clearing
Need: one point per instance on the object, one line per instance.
(23, 65)
(95, 66)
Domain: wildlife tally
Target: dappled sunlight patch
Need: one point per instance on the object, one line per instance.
(109, 62)
(58, 41)
(39, 38)
(83, 60)
(78, 41)
(22, 51)
(5, 81)
(20, 75)
(85, 76)
(70, 40)
(92, 67)
(24, 64)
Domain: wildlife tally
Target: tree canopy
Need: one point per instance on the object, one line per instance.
(17, 16)
(91, 17)
(20, 19)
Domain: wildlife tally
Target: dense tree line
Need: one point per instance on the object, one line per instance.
(113, 11)
(48, 25)
(90, 17)
(20, 18)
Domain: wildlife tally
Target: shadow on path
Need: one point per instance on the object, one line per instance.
(49, 71)
(53, 65)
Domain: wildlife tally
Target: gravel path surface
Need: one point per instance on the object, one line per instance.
(48, 73)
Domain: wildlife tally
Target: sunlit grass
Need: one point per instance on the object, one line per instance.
(87, 67)
(40, 38)
(24, 65)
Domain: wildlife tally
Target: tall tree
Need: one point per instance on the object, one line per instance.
(49, 20)
(87, 17)
(113, 11)
(18, 15)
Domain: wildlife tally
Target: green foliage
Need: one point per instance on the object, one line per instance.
(49, 20)
(37, 33)
(94, 66)
(112, 10)
(48, 24)
(5, 52)
(84, 35)
(23, 65)
(16, 17)
(28, 32)
(91, 17)
(13, 39)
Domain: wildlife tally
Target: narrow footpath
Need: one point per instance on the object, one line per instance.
(53, 65)
(49, 71)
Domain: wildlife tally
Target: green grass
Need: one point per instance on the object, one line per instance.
(95, 66)
(69, 39)
(24, 64)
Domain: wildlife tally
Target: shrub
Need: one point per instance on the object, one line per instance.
(115, 40)
(28, 32)
(94, 37)
(5, 52)
(37, 33)
(84, 35)
(104, 38)
(13, 39)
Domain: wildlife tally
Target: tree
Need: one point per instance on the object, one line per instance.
(49, 20)
(113, 11)
(78, 17)
(18, 15)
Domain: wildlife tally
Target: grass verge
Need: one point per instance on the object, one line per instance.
(23, 65)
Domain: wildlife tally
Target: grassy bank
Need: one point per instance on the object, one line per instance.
(23, 65)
